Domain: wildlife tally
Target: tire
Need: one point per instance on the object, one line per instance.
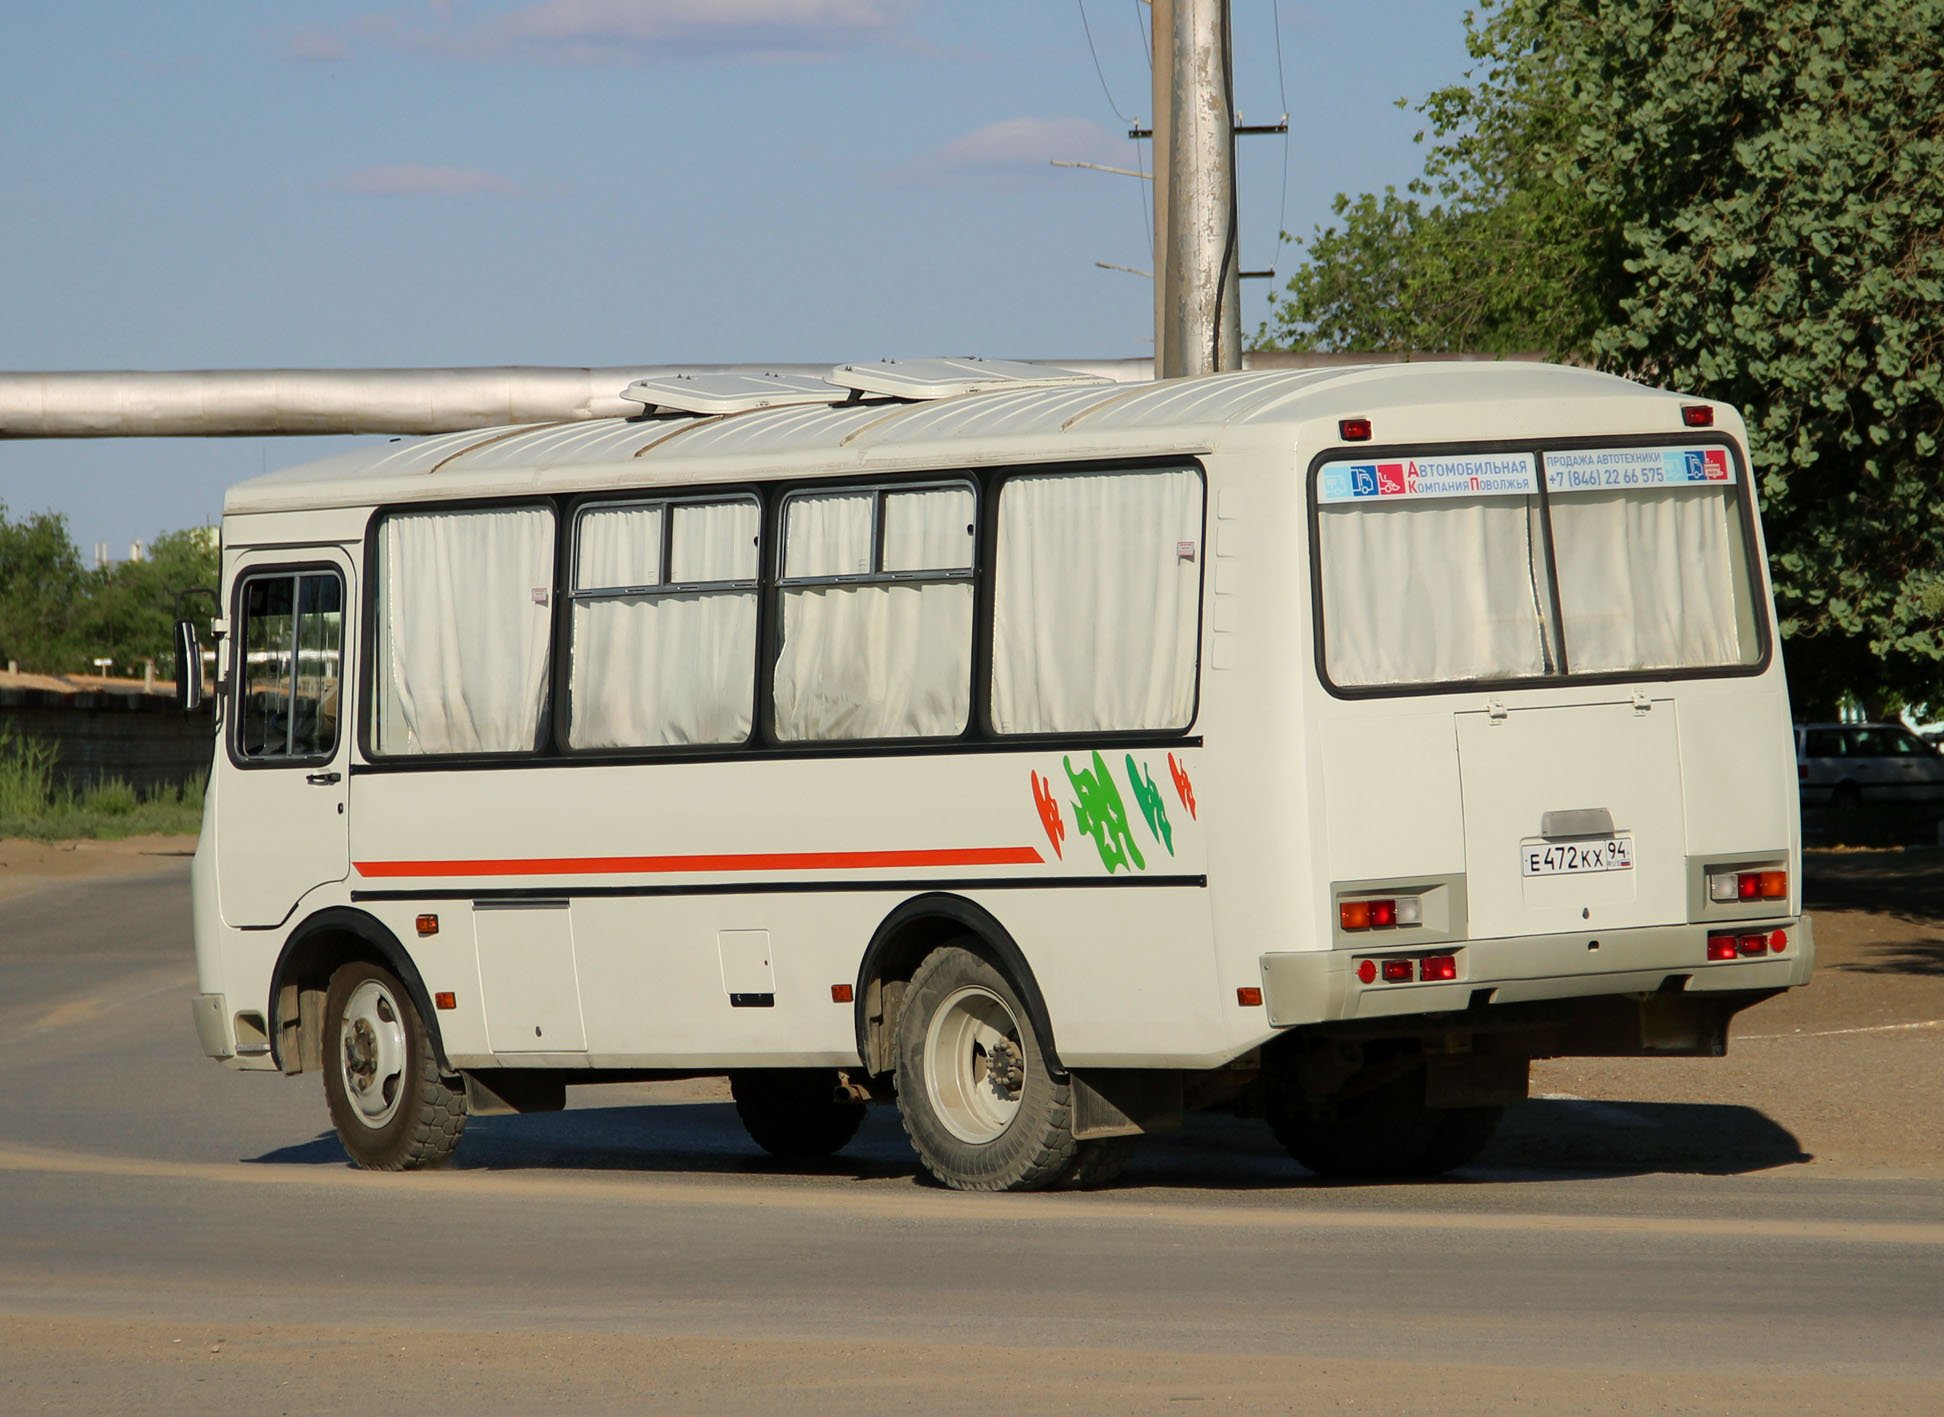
(796, 1114)
(391, 1108)
(983, 1109)
(1379, 1128)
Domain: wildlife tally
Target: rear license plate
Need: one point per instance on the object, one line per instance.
(1572, 858)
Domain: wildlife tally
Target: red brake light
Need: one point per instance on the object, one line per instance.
(1435, 968)
(1354, 430)
(1383, 914)
(1697, 415)
(1721, 947)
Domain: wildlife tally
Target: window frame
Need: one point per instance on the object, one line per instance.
(567, 595)
(986, 619)
(1757, 585)
(368, 626)
(292, 571)
(762, 745)
(769, 628)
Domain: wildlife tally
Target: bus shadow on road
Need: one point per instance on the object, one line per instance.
(1545, 1139)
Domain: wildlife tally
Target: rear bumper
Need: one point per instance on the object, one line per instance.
(1322, 986)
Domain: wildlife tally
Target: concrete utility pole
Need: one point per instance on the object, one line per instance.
(1198, 329)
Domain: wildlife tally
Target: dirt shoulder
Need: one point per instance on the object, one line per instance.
(29, 865)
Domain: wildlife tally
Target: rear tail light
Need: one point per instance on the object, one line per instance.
(1741, 886)
(1436, 968)
(1380, 914)
(1432, 969)
(1736, 944)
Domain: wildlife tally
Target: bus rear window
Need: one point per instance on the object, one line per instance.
(1447, 569)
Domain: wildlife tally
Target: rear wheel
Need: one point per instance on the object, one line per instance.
(796, 1114)
(981, 1105)
(391, 1108)
(1376, 1125)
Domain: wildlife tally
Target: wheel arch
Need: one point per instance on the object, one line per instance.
(909, 933)
(330, 938)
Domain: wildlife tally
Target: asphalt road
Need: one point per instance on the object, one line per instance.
(175, 1237)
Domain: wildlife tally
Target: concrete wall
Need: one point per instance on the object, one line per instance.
(139, 738)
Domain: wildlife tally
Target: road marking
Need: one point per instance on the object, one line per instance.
(1840, 1032)
(716, 1191)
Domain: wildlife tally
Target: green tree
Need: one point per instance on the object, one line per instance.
(1742, 200)
(41, 585)
(128, 613)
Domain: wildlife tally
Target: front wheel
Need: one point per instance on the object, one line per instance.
(983, 1108)
(391, 1108)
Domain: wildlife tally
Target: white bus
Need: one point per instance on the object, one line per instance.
(1047, 754)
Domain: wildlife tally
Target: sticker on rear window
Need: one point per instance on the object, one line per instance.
(1451, 475)
(1601, 469)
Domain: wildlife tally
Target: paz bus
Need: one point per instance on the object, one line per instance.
(1046, 755)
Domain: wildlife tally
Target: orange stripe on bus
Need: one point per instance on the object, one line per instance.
(754, 861)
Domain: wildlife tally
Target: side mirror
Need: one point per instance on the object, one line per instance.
(188, 679)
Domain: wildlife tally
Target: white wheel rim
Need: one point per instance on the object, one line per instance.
(371, 1053)
(974, 1065)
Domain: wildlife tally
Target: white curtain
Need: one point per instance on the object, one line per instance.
(1097, 600)
(665, 669)
(463, 628)
(929, 530)
(876, 661)
(1420, 592)
(619, 548)
(1646, 579)
(828, 534)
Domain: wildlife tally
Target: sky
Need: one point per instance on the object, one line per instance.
(209, 184)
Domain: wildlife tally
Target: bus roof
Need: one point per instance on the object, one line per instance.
(1407, 403)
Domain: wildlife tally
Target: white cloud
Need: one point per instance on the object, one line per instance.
(1013, 150)
(601, 32)
(408, 179)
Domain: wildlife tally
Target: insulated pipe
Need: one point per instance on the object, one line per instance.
(208, 403)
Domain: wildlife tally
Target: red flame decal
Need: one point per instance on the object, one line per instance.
(1049, 812)
(1184, 789)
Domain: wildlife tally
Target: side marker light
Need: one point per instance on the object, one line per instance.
(840, 993)
(1248, 998)
(428, 925)
(445, 1001)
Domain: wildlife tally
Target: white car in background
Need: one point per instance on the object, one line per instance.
(1847, 764)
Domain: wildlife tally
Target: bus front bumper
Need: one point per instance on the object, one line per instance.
(1327, 986)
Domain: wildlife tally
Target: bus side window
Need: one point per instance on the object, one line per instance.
(1097, 604)
(291, 660)
(464, 631)
(664, 625)
(876, 593)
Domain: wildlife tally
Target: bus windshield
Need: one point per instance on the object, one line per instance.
(1477, 568)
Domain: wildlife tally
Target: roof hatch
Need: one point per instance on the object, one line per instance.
(947, 378)
(728, 391)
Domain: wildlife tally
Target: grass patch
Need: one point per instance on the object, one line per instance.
(32, 805)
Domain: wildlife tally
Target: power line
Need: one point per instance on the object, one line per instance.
(1082, 4)
(1282, 87)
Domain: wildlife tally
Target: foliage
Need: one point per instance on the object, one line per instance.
(57, 617)
(1742, 200)
(32, 805)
